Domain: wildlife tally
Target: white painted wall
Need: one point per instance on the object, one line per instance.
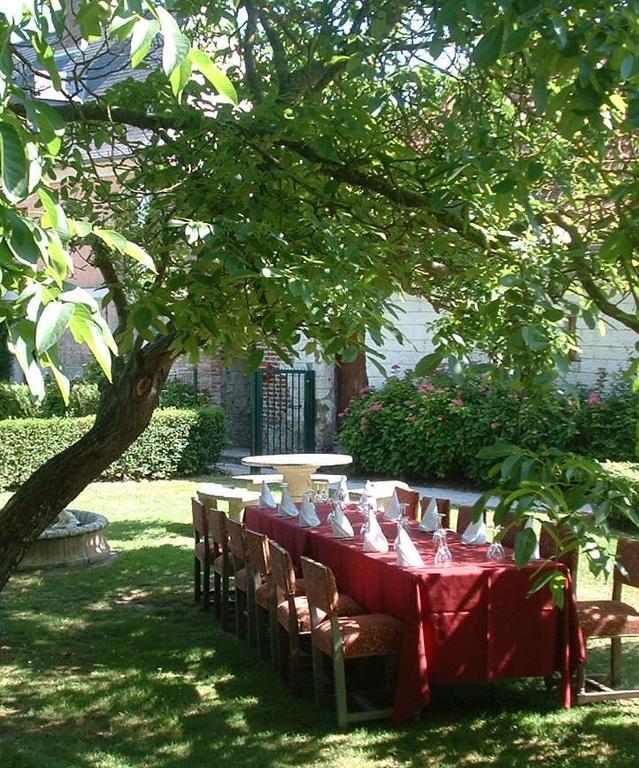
(613, 351)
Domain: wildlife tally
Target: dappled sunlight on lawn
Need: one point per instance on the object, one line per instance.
(115, 667)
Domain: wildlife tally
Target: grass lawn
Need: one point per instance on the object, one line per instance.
(115, 667)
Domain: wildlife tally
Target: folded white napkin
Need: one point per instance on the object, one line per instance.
(407, 554)
(430, 518)
(393, 510)
(308, 514)
(286, 507)
(530, 523)
(374, 539)
(475, 534)
(266, 497)
(341, 525)
(342, 491)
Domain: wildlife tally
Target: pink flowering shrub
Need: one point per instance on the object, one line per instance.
(434, 429)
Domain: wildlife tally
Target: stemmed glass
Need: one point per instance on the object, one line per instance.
(443, 556)
(496, 549)
(320, 491)
(439, 535)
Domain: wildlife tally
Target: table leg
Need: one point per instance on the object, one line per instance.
(298, 479)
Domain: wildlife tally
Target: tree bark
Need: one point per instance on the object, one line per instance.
(351, 377)
(124, 412)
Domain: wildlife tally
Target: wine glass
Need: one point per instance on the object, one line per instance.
(439, 535)
(443, 556)
(496, 551)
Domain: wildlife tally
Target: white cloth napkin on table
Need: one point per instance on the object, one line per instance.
(340, 524)
(475, 534)
(286, 507)
(342, 491)
(308, 514)
(407, 554)
(430, 519)
(374, 539)
(393, 510)
(266, 497)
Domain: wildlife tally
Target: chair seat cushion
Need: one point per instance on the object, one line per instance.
(373, 634)
(607, 618)
(241, 580)
(263, 595)
(346, 606)
(201, 553)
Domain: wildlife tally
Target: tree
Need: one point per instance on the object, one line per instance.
(358, 149)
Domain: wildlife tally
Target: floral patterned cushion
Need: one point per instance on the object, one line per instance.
(607, 618)
(346, 606)
(374, 634)
(241, 580)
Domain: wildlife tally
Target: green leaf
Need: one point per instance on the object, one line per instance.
(176, 45)
(525, 544)
(112, 238)
(13, 159)
(496, 451)
(85, 331)
(21, 240)
(139, 254)
(61, 379)
(429, 364)
(144, 32)
(180, 77)
(52, 323)
(488, 49)
(540, 93)
(534, 337)
(57, 216)
(627, 68)
(203, 62)
(350, 354)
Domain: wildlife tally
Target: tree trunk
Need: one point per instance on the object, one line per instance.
(351, 377)
(124, 412)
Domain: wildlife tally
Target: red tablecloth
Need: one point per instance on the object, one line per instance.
(472, 621)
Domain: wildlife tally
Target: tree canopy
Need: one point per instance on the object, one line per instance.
(286, 168)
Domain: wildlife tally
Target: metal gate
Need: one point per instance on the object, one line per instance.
(282, 411)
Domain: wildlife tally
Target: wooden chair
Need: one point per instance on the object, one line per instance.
(222, 566)
(411, 498)
(259, 589)
(290, 614)
(202, 555)
(239, 556)
(344, 637)
(464, 517)
(443, 507)
(612, 619)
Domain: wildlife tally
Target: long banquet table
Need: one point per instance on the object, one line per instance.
(472, 621)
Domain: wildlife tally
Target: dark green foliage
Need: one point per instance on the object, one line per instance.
(435, 429)
(16, 401)
(177, 442)
(6, 359)
(607, 420)
(181, 394)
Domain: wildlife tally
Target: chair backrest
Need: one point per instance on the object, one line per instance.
(199, 519)
(320, 586)
(464, 517)
(216, 520)
(443, 507)
(628, 559)
(259, 552)
(409, 497)
(237, 539)
(283, 573)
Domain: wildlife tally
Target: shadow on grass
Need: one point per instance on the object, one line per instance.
(118, 667)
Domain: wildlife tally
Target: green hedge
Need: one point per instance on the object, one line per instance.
(176, 442)
(434, 429)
